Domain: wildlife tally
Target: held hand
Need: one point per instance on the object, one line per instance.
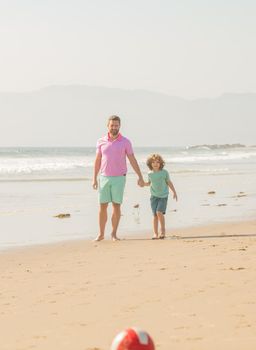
(175, 196)
(140, 182)
(95, 185)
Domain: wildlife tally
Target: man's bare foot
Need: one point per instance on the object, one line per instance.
(155, 236)
(115, 238)
(99, 238)
(162, 236)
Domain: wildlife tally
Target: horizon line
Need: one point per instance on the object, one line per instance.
(81, 85)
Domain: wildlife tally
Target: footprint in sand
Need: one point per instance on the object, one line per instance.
(195, 338)
(40, 337)
(239, 315)
(181, 327)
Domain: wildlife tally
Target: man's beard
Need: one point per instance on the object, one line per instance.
(114, 132)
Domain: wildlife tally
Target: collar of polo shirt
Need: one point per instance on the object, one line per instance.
(119, 137)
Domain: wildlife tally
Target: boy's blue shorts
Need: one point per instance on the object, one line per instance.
(158, 204)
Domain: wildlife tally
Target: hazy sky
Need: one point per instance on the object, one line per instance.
(192, 48)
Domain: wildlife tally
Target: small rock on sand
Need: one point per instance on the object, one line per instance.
(62, 216)
(211, 192)
(240, 194)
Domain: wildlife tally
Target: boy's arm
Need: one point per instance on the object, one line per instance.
(170, 184)
(97, 164)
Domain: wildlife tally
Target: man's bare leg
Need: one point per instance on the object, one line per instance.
(115, 220)
(162, 224)
(155, 226)
(103, 217)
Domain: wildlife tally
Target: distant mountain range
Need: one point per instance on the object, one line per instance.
(77, 115)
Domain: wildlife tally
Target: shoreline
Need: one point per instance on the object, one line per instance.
(191, 292)
(176, 233)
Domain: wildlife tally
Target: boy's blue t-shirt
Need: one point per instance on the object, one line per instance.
(158, 186)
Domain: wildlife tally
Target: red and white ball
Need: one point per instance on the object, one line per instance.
(132, 339)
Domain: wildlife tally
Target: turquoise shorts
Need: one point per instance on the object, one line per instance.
(111, 189)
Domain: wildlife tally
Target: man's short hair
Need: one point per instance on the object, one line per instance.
(114, 117)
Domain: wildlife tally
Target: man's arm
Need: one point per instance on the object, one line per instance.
(96, 170)
(136, 168)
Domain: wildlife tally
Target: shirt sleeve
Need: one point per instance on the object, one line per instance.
(128, 147)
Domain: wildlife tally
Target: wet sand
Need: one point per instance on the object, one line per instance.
(193, 290)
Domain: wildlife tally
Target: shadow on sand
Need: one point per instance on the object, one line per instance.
(194, 237)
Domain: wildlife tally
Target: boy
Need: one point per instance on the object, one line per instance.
(159, 182)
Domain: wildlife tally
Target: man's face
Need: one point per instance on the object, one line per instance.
(113, 127)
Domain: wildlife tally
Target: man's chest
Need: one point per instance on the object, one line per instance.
(115, 148)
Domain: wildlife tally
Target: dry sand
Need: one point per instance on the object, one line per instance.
(196, 292)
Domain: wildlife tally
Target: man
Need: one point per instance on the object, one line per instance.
(110, 161)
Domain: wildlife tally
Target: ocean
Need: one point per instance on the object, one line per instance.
(75, 163)
(38, 183)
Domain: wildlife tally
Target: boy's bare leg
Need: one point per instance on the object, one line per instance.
(162, 223)
(116, 215)
(155, 226)
(103, 217)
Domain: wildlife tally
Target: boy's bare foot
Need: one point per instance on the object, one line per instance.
(162, 236)
(99, 238)
(155, 236)
(115, 238)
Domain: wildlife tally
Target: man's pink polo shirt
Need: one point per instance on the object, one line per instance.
(113, 161)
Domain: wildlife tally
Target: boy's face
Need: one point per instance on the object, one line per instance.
(155, 164)
(113, 127)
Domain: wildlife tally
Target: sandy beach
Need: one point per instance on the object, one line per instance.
(194, 290)
(132, 120)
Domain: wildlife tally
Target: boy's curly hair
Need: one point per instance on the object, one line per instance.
(154, 157)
